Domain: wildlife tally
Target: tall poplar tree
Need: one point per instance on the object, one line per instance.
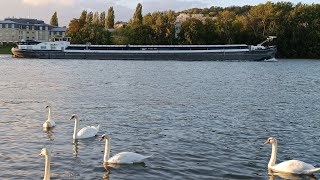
(83, 17)
(96, 18)
(102, 18)
(109, 24)
(137, 17)
(54, 20)
(89, 18)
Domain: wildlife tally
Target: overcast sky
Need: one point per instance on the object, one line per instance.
(124, 9)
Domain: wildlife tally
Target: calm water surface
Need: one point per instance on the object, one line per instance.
(200, 120)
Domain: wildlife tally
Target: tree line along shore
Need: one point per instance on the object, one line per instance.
(297, 27)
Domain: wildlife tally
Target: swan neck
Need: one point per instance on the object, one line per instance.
(49, 114)
(273, 158)
(47, 168)
(75, 130)
(107, 150)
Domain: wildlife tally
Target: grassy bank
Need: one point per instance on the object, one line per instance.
(5, 49)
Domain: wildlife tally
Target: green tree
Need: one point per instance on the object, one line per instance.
(102, 18)
(96, 19)
(226, 25)
(139, 34)
(191, 32)
(83, 17)
(89, 18)
(137, 17)
(110, 19)
(54, 20)
(121, 36)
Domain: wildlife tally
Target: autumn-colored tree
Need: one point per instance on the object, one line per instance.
(96, 19)
(83, 17)
(110, 19)
(89, 18)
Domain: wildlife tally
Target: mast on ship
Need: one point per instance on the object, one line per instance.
(268, 40)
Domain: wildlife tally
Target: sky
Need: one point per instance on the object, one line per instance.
(124, 9)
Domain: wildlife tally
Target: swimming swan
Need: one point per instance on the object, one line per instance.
(120, 158)
(47, 154)
(86, 132)
(291, 166)
(49, 123)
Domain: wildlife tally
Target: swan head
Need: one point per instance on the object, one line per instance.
(104, 137)
(48, 107)
(271, 140)
(73, 116)
(44, 152)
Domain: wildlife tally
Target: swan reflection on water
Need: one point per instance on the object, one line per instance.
(107, 172)
(278, 175)
(49, 133)
(108, 168)
(75, 148)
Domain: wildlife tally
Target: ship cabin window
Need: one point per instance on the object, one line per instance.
(43, 47)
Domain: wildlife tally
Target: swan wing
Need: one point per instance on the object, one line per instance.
(293, 166)
(49, 123)
(127, 158)
(52, 123)
(89, 131)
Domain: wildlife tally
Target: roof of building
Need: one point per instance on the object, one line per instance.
(121, 22)
(7, 22)
(25, 20)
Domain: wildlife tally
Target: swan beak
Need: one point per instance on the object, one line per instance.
(267, 142)
(101, 139)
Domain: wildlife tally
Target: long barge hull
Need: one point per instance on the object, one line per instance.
(256, 55)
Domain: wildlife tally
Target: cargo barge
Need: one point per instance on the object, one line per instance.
(60, 48)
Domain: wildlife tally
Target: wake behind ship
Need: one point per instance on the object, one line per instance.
(60, 48)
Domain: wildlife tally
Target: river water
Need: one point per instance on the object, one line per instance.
(200, 120)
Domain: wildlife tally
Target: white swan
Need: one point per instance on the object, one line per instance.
(120, 158)
(45, 152)
(86, 132)
(49, 123)
(291, 166)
